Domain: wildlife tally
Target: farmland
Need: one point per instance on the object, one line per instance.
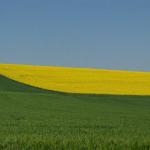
(37, 119)
(80, 80)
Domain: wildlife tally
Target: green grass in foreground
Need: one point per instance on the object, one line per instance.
(34, 119)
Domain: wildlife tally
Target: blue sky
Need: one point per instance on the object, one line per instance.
(107, 34)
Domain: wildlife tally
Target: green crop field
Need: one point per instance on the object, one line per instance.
(35, 119)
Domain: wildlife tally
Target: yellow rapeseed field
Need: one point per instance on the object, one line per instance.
(80, 80)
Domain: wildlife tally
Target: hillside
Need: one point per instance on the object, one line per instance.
(78, 80)
(8, 85)
(31, 118)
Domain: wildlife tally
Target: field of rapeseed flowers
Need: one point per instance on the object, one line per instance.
(78, 80)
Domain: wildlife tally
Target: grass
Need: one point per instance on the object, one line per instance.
(35, 119)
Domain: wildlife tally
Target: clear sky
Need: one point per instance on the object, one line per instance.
(106, 34)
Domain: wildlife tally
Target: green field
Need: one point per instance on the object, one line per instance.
(35, 119)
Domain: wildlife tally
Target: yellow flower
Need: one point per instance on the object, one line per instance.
(80, 80)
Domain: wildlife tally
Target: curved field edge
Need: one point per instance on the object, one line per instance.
(78, 80)
(10, 85)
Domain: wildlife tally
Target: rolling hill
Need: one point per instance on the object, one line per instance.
(37, 119)
(80, 80)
